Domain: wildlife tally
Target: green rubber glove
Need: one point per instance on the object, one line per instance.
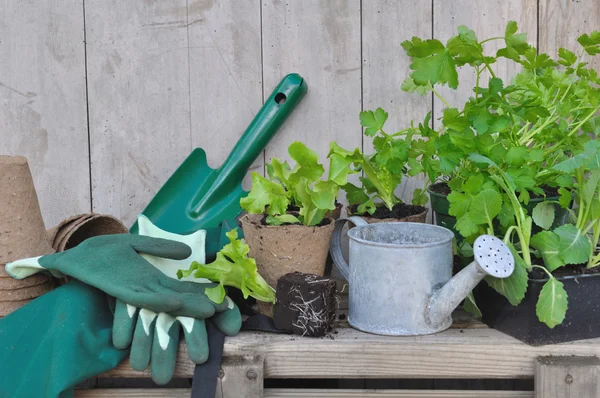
(154, 337)
(113, 264)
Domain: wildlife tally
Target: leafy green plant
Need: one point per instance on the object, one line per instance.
(513, 140)
(234, 268)
(299, 188)
(394, 156)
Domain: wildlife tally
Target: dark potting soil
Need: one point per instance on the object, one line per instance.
(441, 188)
(295, 209)
(306, 304)
(325, 221)
(401, 210)
(567, 270)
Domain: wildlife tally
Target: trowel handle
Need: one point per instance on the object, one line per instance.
(265, 124)
(336, 244)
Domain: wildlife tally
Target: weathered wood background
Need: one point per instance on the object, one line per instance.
(106, 98)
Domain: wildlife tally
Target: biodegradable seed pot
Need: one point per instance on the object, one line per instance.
(279, 250)
(400, 275)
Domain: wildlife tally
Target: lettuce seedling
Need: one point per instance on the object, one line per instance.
(234, 268)
(300, 188)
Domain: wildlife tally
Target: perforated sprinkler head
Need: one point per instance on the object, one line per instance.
(493, 256)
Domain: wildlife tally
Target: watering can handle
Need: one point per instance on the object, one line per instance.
(336, 244)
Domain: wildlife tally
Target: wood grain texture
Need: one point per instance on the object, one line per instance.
(385, 24)
(567, 377)
(242, 377)
(42, 101)
(138, 82)
(488, 19)
(563, 21)
(320, 40)
(225, 74)
(479, 353)
(306, 393)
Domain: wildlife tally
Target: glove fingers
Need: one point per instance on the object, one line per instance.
(123, 324)
(141, 347)
(196, 339)
(229, 321)
(164, 348)
(159, 247)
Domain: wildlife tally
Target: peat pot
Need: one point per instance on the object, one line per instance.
(400, 275)
(582, 320)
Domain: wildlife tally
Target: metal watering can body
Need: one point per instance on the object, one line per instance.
(400, 275)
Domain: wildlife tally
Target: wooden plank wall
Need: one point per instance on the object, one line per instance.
(106, 98)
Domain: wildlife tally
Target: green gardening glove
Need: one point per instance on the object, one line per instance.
(113, 264)
(154, 337)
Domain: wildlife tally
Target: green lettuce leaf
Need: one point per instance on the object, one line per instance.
(552, 303)
(234, 268)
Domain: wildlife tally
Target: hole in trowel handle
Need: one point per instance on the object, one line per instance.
(280, 98)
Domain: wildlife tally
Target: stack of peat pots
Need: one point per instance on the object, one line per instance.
(22, 234)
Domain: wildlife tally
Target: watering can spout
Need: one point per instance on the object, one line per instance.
(492, 257)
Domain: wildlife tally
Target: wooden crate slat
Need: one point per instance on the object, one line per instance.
(455, 353)
(307, 393)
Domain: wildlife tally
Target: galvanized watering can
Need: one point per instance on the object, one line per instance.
(400, 275)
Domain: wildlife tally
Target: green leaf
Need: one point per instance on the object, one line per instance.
(354, 194)
(568, 58)
(339, 169)
(552, 303)
(516, 156)
(548, 245)
(543, 214)
(267, 195)
(516, 44)
(282, 219)
(420, 197)
(565, 197)
(310, 213)
(473, 184)
(506, 215)
(453, 121)
(373, 121)
(515, 286)
(591, 42)
(232, 267)
(465, 48)
(485, 206)
(575, 247)
(432, 63)
(470, 306)
(307, 163)
(409, 86)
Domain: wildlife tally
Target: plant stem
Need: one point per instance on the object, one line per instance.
(441, 98)
(545, 270)
(490, 39)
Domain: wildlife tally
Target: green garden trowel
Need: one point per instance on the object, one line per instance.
(198, 197)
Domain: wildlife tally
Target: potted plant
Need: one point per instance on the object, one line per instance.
(512, 158)
(283, 240)
(394, 156)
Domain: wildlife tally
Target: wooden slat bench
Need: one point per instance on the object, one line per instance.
(469, 350)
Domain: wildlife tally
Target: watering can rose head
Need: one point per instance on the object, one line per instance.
(300, 189)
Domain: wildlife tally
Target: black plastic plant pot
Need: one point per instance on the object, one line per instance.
(440, 207)
(582, 320)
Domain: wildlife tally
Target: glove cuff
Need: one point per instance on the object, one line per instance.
(25, 267)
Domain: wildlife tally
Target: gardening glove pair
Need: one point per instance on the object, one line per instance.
(154, 337)
(113, 264)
